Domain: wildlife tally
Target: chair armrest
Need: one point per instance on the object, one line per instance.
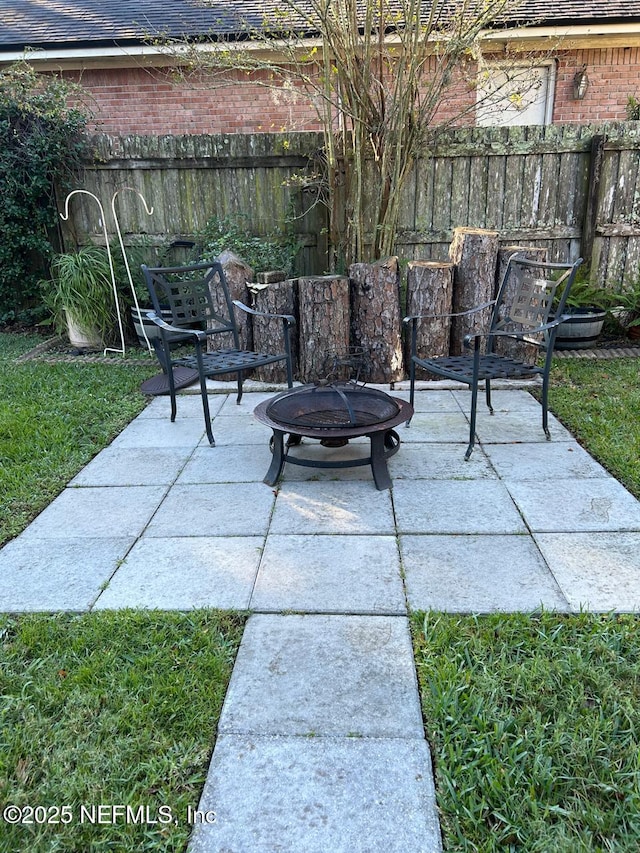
(473, 310)
(290, 320)
(498, 333)
(176, 330)
(511, 334)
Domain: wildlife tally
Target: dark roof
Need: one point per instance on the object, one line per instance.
(33, 23)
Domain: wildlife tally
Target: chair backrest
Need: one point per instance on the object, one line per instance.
(531, 292)
(196, 294)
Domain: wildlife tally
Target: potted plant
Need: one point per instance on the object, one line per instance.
(586, 308)
(625, 309)
(80, 295)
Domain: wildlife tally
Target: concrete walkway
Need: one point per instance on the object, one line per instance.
(321, 745)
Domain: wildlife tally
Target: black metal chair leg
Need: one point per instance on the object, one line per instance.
(545, 413)
(239, 397)
(472, 421)
(205, 398)
(487, 386)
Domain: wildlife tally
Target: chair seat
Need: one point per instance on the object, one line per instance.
(460, 367)
(229, 360)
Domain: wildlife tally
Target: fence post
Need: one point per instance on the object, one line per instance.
(593, 194)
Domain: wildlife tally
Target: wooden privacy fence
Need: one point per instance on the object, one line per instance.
(572, 189)
(564, 190)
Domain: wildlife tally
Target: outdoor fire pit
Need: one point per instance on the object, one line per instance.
(334, 413)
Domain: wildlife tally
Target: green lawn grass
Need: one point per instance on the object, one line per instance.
(53, 419)
(534, 724)
(109, 708)
(599, 402)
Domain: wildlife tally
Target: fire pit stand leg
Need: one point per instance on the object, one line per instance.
(278, 457)
(383, 445)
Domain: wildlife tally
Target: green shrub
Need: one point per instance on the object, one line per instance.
(274, 251)
(41, 142)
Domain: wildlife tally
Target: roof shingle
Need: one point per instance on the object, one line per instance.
(53, 23)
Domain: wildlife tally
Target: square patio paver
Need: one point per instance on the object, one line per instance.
(102, 511)
(57, 574)
(333, 507)
(329, 574)
(576, 505)
(439, 462)
(160, 432)
(133, 466)
(186, 573)
(430, 401)
(318, 795)
(478, 574)
(596, 571)
(227, 509)
(436, 427)
(189, 406)
(244, 463)
(545, 461)
(512, 400)
(509, 427)
(324, 676)
(452, 506)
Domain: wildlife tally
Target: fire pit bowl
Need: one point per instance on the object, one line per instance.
(334, 413)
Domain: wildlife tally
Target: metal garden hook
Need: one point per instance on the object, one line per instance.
(65, 217)
(149, 211)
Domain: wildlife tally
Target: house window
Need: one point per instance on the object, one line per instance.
(510, 95)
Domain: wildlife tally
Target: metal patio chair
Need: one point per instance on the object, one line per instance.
(197, 297)
(528, 308)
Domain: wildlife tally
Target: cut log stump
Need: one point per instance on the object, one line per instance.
(275, 298)
(375, 318)
(474, 251)
(324, 323)
(430, 291)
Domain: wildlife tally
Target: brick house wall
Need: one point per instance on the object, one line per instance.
(147, 101)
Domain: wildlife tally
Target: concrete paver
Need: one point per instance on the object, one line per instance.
(57, 574)
(455, 506)
(596, 571)
(478, 574)
(134, 466)
(224, 509)
(545, 462)
(575, 505)
(330, 574)
(315, 675)
(98, 511)
(318, 794)
(185, 573)
(332, 507)
(321, 741)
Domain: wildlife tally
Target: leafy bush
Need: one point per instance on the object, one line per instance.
(41, 143)
(274, 251)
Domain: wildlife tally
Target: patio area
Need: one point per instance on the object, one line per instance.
(323, 700)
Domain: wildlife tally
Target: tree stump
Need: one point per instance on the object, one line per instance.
(324, 323)
(505, 346)
(474, 251)
(237, 274)
(430, 291)
(375, 318)
(276, 298)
